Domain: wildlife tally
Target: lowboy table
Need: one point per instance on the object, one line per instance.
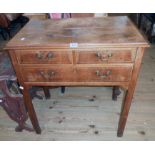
(78, 52)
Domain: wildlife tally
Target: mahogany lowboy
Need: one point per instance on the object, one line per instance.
(78, 52)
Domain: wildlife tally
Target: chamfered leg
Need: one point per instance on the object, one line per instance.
(30, 109)
(129, 93)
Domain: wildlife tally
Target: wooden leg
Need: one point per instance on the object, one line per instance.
(47, 92)
(116, 92)
(129, 93)
(124, 115)
(31, 111)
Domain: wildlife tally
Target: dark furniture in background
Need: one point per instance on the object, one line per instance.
(9, 24)
(13, 104)
(146, 24)
(11, 98)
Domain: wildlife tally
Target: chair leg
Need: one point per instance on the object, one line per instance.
(47, 92)
(63, 89)
(33, 93)
(116, 92)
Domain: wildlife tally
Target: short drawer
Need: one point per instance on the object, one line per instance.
(101, 74)
(106, 56)
(44, 57)
(48, 74)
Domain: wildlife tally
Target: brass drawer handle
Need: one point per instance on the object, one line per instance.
(103, 56)
(103, 75)
(110, 55)
(39, 55)
(49, 55)
(47, 75)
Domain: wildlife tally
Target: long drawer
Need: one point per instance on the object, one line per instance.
(77, 74)
(105, 56)
(44, 57)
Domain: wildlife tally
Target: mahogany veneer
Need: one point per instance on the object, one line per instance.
(78, 52)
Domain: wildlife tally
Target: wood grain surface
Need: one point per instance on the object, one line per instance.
(109, 31)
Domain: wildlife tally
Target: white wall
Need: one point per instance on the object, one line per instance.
(100, 15)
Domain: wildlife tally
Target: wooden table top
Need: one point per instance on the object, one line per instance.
(92, 31)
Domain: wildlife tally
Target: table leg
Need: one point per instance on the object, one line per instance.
(30, 109)
(129, 93)
(125, 111)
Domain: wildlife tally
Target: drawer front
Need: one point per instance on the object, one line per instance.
(78, 74)
(105, 56)
(50, 74)
(44, 57)
(101, 74)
